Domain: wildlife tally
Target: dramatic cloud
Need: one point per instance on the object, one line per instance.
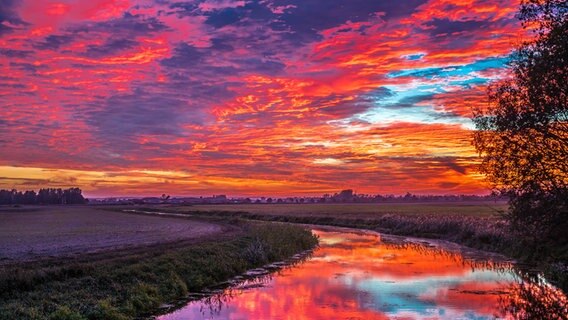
(247, 96)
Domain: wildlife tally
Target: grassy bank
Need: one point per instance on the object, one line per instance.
(365, 210)
(133, 283)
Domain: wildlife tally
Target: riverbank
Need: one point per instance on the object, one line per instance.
(484, 232)
(134, 282)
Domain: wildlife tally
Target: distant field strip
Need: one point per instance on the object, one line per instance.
(39, 232)
(365, 210)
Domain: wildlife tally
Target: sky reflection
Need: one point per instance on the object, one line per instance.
(358, 276)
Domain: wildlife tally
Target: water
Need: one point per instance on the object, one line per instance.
(358, 275)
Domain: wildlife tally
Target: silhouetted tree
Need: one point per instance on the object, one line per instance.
(73, 196)
(523, 135)
(44, 196)
(29, 197)
(164, 198)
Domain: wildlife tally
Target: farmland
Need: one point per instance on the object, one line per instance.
(365, 210)
(37, 232)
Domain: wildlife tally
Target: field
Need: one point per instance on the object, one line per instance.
(365, 210)
(37, 232)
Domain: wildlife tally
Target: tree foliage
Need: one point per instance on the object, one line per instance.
(44, 196)
(523, 135)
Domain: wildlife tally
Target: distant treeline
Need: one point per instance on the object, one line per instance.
(43, 196)
(349, 196)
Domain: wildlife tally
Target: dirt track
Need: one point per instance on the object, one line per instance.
(40, 232)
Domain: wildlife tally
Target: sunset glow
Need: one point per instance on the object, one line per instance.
(247, 97)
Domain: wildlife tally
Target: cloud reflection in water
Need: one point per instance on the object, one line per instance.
(361, 276)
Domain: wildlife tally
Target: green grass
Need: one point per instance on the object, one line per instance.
(129, 284)
(364, 210)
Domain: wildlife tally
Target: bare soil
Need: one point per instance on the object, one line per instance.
(32, 233)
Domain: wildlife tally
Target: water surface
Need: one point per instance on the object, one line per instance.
(358, 275)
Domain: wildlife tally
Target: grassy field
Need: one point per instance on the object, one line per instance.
(125, 283)
(474, 224)
(364, 210)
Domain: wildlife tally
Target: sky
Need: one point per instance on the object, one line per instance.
(247, 97)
